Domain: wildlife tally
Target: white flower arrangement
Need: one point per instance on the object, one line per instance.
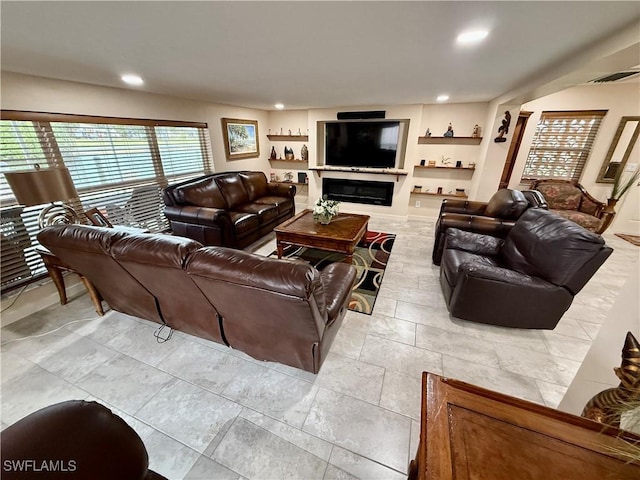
(324, 209)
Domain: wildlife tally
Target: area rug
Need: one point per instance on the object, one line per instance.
(370, 259)
(635, 239)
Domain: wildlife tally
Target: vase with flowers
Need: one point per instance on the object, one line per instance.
(324, 210)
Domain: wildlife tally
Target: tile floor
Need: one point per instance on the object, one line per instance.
(208, 412)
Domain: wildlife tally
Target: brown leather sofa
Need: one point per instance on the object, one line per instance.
(273, 309)
(495, 217)
(570, 200)
(230, 209)
(77, 440)
(527, 280)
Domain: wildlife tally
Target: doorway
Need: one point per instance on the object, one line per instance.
(510, 161)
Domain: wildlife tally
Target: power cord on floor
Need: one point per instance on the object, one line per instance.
(15, 299)
(51, 331)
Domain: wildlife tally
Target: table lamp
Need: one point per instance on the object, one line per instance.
(39, 186)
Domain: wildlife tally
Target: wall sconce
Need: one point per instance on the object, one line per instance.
(40, 186)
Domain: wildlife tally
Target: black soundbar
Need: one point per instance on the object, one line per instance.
(360, 115)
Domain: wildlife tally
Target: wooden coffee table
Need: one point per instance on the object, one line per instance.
(341, 235)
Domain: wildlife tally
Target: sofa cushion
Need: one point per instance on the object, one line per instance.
(255, 184)
(560, 196)
(506, 203)
(583, 219)
(203, 193)
(546, 245)
(232, 189)
(283, 204)
(264, 211)
(244, 223)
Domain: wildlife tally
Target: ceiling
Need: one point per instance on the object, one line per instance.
(305, 54)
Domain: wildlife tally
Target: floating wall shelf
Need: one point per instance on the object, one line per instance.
(451, 195)
(426, 167)
(287, 161)
(450, 140)
(377, 171)
(289, 138)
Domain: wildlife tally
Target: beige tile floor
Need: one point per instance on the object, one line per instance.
(206, 412)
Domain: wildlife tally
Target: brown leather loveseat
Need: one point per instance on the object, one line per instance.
(76, 440)
(230, 209)
(527, 280)
(278, 310)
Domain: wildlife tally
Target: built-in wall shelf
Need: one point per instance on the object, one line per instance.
(287, 161)
(443, 167)
(288, 138)
(451, 195)
(377, 171)
(450, 140)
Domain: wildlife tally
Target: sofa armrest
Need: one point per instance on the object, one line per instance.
(499, 274)
(450, 205)
(198, 215)
(281, 190)
(338, 280)
(472, 242)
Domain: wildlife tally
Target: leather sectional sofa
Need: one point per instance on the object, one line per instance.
(527, 280)
(230, 209)
(278, 310)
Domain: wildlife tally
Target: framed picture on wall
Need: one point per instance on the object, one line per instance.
(240, 138)
(96, 217)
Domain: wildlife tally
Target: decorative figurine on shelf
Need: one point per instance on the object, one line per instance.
(440, 190)
(459, 164)
(304, 153)
(273, 154)
(289, 132)
(449, 132)
(299, 132)
(288, 153)
(281, 131)
(476, 131)
(422, 162)
(288, 177)
(427, 133)
(432, 163)
(445, 160)
(504, 128)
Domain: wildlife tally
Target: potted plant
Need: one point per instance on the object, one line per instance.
(324, 210)
(621, 184)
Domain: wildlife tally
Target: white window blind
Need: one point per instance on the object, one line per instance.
(562, 144)
(117, 165)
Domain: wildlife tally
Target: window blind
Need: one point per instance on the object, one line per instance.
(562, 144)
(118, 166)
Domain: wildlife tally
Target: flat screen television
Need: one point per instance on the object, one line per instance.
(362, 144)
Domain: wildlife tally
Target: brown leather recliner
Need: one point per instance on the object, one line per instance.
(273, 309)
(527, 280)
(230, 209)
(495, 217)
(77, 440)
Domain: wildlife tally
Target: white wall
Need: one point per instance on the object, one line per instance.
(25, 92)
(620, 99)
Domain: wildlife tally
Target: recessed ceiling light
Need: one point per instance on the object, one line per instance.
(472, 36)
(279, 106)
(442, 98)
(132, 79)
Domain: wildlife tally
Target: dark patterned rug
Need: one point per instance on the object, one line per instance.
(370, 259)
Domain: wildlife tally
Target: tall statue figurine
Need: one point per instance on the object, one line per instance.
(449, 132)
(273, 155)
(427, 133)
(504, 128)
(476, 131)
(304, 154)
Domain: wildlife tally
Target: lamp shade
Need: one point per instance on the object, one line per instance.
(35, 187)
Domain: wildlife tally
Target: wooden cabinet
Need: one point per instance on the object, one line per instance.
(467, 432)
